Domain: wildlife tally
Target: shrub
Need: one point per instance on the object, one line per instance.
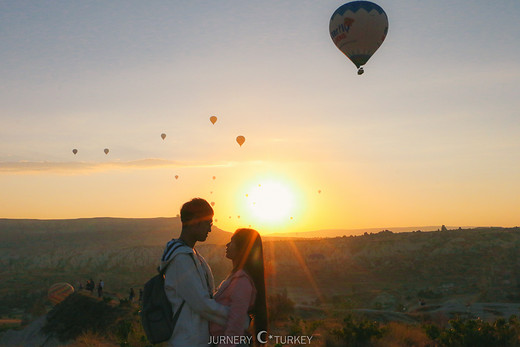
(280, 306)
(357, 333)
(476, 333)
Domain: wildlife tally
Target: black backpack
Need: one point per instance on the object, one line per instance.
(157, 314)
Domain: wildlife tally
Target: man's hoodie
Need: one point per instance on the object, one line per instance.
(189, 278)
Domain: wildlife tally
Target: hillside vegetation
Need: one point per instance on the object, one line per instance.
(381, 271)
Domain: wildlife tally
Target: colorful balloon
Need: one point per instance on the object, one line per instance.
(240, 140)
(163, 136)
(176, 176)
(59, 291)
(106, 150)
(74, 151)
(212, 203)
(358, 28)
(214, 177)
(213, 119)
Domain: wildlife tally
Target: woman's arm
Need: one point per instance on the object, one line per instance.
(183, 277)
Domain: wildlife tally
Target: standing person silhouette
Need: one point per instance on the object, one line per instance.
(189, 282)
(243, 291)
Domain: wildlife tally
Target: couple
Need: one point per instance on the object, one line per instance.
(208, 317)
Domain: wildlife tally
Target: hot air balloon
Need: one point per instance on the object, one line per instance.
(213, 119)
(212, 203)
(163, 136)
(240, 140)
(59, 291)
(319, 191)
(358, 28)
(176, 176)
(74, 151)
(214, 177)
(106, 150)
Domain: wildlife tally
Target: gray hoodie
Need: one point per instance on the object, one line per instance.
(188, 277)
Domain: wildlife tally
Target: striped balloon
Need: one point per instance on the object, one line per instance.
(59, 291)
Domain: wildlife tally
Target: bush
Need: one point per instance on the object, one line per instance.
(79, 314)
(280, 306)
(357, 333)
(476, 333)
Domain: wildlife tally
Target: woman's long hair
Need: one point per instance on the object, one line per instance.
(251, 260)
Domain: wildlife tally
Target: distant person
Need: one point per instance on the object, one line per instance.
(90, 286)
(100, 289)
(140, 295)
(189, 280)
(131, 295)
(243, 291)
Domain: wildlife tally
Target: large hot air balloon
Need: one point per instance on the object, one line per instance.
(240, 140)
(358, 28)
(213, 119)
(59, 291)
(74, 151)
(163, 136)
(106, 150)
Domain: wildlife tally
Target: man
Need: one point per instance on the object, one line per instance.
(189, 279)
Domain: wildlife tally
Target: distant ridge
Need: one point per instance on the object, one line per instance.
(108, 230)
(347, 232)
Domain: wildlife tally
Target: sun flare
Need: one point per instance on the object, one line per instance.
(271, 202)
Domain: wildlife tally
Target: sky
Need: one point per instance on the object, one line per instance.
(428, 135)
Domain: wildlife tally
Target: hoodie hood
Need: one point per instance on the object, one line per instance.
(173, 247)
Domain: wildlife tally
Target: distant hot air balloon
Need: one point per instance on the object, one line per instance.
(211, 192)
(216, 220)
(212, 203)
(319, 191)
(240, 140)
(106, 150)
(163, 136)
(59, 291)
(358, 28)
(74, 151)
(213, 119)
(214, 177)
(238, 217)
(176, 176)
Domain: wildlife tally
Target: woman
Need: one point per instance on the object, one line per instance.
(243, 291)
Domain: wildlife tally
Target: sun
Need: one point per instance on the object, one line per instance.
(271, 202)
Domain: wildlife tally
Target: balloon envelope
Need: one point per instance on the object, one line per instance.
(59, 291)
(176, 176)
(212, 203)
(106, 150)
(241, 140)
(358, 28)
(163, 136)
(74, 151)
(213, 119)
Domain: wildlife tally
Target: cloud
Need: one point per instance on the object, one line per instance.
(32, 167)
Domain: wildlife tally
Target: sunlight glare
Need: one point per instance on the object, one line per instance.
(271, 201)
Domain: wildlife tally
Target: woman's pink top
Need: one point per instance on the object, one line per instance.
(238, 292)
